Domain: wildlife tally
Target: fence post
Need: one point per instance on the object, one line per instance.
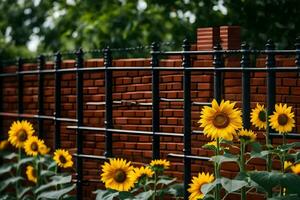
(57, 112)
(297, 57)
(108, 101)
(155, 101)
(271, 95)
(79, 116)
(2, 137)
(20, 86)
(271, 82)
(245, 61)
(186, 116)
(40, 67)
(217, 63)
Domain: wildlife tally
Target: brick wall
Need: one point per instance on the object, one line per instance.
(136, 86)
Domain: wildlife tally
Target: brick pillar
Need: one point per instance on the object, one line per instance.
(207, 37)
(230, 37)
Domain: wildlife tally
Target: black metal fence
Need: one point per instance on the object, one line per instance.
(217, 68)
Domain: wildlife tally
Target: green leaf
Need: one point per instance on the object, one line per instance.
(56, 194)
(56, 180)
(125, 195)
(4, 184)
(25, 160)
(206, 188)
(287, 197)
(6, 168)
(23, 192)
(10, 156)
(225, 158)
(266, 180)
(106, 194)
(291, 182)
(232, 185)
(164, 181)
(144, 195)
(47, 173)
(209, 197)
(176, 190)
(288, 146)
(261, 154)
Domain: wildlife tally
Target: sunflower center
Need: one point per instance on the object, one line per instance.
(62, 159)
(34, 146)
(221, 120)
(282, 119)
(33, 173)
(262, 116)
(22, 136)
(120, 176)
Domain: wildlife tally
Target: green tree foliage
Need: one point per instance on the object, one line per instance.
(69, 24)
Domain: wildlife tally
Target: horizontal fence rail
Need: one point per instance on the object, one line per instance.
(217, 69)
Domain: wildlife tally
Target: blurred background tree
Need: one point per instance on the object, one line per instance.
(28, 27)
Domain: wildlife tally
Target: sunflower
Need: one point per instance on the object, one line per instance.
(296, 169)
(246, 135)
(4, 145)
(63, 158)
(282, 119)
(259, 117)
(220, 121)
(43, 149)
(287, 165)
(197, 182)
(115, 175)
(32, 146)
(139, 173)
(19, 132)
(160, 164)
(31, 174)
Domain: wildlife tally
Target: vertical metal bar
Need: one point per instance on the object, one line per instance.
(186, 116)
(217, 63)
(79, 116)
(57, 112)
(155, 102)
(20, 87)
(271, 86)
(108, 102)
(297, 57)
(1, 99)
(41, 64)
(245, 61)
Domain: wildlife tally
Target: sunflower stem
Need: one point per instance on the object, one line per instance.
(282, 160)
(242, 169)
(155, 182)
(18, 170)
(217, 172)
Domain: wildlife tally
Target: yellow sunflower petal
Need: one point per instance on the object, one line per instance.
(63, 158)
(31, 173)
(163, 163)
(282, 119)
(32, 145)
(258, 117)
(116, 175)
(197, 182)
(19, 132)
(220, 121)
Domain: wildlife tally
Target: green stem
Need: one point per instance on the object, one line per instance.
(243, 169)
(217, 172)
(18, 170)
(269, 158)
(155, 181)
(282, 160)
